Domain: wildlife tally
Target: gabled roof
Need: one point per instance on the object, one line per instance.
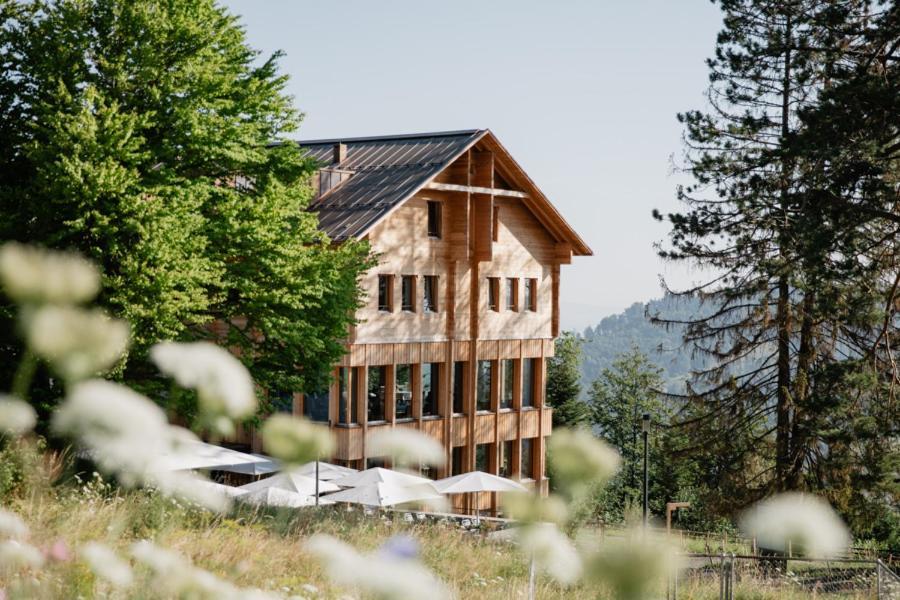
(388, 170)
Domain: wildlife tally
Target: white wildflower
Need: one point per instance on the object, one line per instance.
(16, 416)
(175, 575)
(16, 555)
(296, 441)
(377, 574)
(579, 459)
(803, 523)
(30, 274)
(406, 447)
(105, 564)
(526, 507)
(77, 343)
(12, 526)
(223, 384)
(552, 550)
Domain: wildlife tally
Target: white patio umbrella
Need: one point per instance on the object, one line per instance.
(192, 455)
(327, 471)
(263, 466)
(279, 497)
(382, 494)
(218, 488)
(381, 475)
(477, 481)
(291, 481)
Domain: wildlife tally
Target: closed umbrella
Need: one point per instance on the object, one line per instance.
(477, 481)
(381, 494)
(291, 481)
(381, 475)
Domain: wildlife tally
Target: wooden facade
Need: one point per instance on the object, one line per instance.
(460, 316)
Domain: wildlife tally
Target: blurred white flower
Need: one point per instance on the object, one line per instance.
(579, 459)
(296, 441)
(31, 274)
(531, 508)
(176, 576)
(379, 574)
(223, 384)
(106, 564)
(553, 552)
(16, 416)
(632, 567)
(406, 447)
(16, 555)
(803, 523)
(77, 343)
(12, 526)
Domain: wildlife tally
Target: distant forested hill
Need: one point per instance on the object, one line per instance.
(619, 333)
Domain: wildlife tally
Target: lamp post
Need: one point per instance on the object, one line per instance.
(645, 432)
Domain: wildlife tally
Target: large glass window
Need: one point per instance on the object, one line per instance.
(315, 406)
(528, 458)
(403, 392)
(430, 387)
(506, 452)
(483, 385)
(458, 465)
(483, 457)
(348, 395)
(430, 293)
(434, 219)
(408, 293)
(459, 386)
(528, 367)
(507, 366)
(376, 393)
(385, 293)
(282, 401)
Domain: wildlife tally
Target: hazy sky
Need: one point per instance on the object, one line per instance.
(583, 94)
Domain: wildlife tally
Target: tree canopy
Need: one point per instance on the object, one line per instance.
(144, 134)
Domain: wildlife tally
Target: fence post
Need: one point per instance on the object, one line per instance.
(878, 578)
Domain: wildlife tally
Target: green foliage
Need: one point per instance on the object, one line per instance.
(140, 133)
(563, 383)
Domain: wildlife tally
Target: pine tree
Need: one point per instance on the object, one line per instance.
(141, 134)
(748, 222)
(564, 383)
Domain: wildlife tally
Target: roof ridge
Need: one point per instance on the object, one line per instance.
(402, 136)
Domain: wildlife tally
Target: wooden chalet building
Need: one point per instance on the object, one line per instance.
(462, 308)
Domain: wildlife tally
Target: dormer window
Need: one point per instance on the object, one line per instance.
(434, 219)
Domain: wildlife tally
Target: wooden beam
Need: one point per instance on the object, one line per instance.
(472, 189)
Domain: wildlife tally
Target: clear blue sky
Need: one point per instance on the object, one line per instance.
(583, 93)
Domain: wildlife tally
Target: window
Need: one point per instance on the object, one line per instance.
(386, 293)
(457, 464)
(495, 225)
(483, 457)
(282, 401)
(403, 392)
(483, 385)
(376, 393)
(493, 293)
(430, 296)
(434, 219)
(348, 395)
(512, 293)
(315, 406)
(408, 293)
(430, 387)
(459, 387)
(531, 294)
(528, 366)
(506, 452)
(376, 461)
(508, 372)
(528, 458)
